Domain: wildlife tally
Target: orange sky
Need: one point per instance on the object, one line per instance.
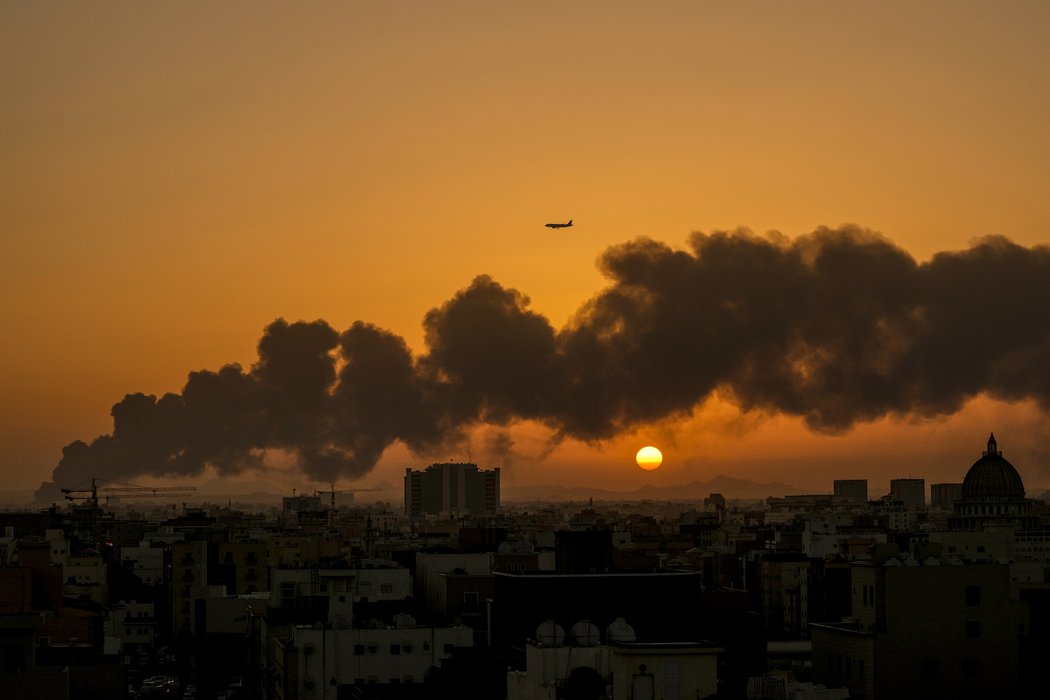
(177, 175)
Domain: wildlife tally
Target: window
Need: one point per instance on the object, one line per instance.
(973, 630)
(448, 648)
(969, 668)
(973, 596)
(395, 648)
(470, 601)
(386, 588)
(359, 650)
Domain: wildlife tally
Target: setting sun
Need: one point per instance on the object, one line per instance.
(649, 457)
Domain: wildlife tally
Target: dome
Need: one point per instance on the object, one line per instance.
(992, 476)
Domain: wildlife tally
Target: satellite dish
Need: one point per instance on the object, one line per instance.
(620, 631)
(550, 634)
(585, 634)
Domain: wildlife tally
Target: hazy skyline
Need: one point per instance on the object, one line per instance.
(176, 178)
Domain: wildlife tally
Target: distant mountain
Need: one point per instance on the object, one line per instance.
(728, 486)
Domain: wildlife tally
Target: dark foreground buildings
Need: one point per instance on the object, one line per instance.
(461, 596)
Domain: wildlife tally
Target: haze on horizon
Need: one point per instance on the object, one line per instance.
(178, 177)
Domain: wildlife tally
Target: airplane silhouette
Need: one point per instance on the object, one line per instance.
(559, 225)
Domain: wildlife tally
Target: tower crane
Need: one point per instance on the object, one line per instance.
(89, 496)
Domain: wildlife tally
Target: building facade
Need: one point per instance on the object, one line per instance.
(930, 631)
(910, 492)
(454, 488)
(855, 489)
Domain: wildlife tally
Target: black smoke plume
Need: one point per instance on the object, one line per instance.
(836, 327)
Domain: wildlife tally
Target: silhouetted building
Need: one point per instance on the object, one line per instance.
(854, 489)
(992, 494)
(583, 552)
(300, 504)
(784, 584)
(910, 492)
(659, 607)
(452, 488)
(944, 496)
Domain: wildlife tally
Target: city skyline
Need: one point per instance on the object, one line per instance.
(177, 179)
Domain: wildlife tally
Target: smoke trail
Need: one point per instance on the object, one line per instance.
(836, 327)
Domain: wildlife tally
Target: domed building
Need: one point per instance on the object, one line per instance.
(992, 495)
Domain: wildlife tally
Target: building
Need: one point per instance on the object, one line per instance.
(944, 496)
(910, 492)
(992, 494)
(324, 662)
(454, 488)
(783, 582)
(134, 624)
(924, 631)
(617, 669)
(855, 489)
(660, 607)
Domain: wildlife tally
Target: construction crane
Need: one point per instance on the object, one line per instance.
(333, 491)
(89, 496)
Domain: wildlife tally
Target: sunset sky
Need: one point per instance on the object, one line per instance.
(176, 176)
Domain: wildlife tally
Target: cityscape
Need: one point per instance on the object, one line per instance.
(937, 591)
(591, 350)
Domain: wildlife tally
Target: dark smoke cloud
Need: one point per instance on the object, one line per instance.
(837, 327)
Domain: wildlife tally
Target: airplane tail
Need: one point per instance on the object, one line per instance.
(570, 222)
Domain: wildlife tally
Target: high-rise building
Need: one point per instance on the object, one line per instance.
(910, 492)
(944, 496)
(451, 488)
(854, 489)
